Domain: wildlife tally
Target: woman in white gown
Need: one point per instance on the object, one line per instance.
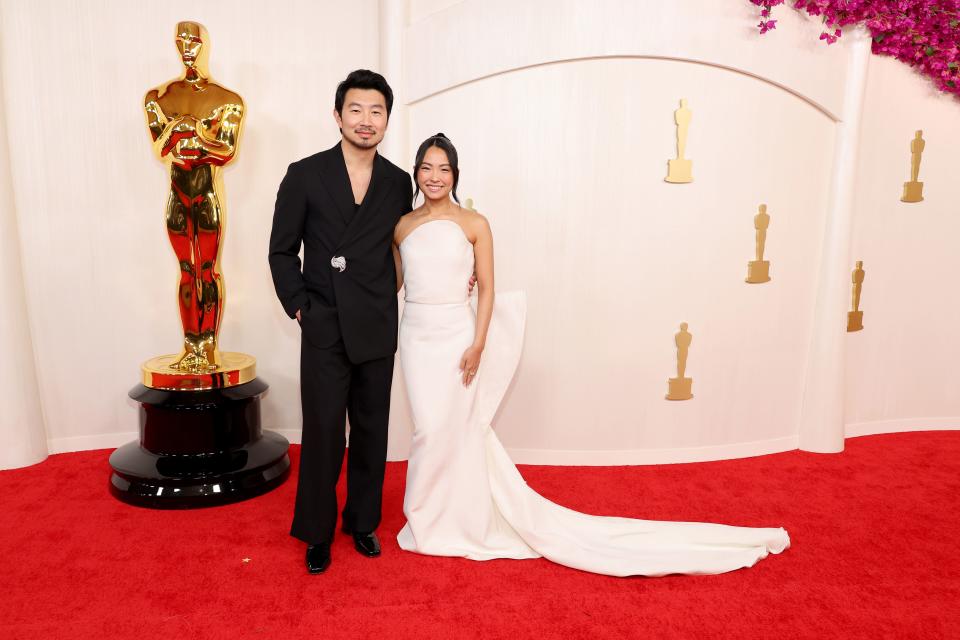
(464, 496)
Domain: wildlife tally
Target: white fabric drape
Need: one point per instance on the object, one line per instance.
(23, 439)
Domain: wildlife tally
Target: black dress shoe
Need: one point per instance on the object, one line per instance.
(366, 543)
(318, 557)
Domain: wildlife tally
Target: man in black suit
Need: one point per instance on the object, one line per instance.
(342, 205)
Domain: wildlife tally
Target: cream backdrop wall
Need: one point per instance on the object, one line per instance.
(562, 112)
(903, 367)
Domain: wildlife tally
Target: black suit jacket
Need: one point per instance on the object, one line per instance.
(315, 207)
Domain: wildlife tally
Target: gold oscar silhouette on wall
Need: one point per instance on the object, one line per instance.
(680, 388)
(468, 204)
(855, 317)
(913, 190)
(680, 170)
(758, 270)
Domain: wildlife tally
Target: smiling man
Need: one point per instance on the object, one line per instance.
(342, 205)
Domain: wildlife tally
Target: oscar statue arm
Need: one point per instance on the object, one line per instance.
(163, 130)
(289, 220)
(226, 121)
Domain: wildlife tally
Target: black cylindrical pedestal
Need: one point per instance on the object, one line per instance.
(199, 448)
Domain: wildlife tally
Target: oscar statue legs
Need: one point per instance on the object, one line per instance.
(332, 387)
(194, 226)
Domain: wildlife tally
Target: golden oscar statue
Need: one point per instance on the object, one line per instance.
(195, 125)
(680, 169)
(913, 190)
(758, 271)
(855, 316)
(200, 436)
(681, 387)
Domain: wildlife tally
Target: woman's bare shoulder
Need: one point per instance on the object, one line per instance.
(475, 223)
(407, 221)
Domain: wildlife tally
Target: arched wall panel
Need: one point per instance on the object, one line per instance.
(567, 160)
(450, 45)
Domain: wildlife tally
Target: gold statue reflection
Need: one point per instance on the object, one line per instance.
(195, 125)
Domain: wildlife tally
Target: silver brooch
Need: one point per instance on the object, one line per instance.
(339, 262)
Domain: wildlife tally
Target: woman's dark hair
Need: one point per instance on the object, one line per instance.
(363, 79)
(443, 143)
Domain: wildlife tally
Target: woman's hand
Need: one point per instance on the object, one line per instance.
(469, 364)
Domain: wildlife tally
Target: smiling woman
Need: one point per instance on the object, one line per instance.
(438, 166)
(464, 496)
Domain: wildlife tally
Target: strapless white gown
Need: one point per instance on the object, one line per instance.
(464, 496)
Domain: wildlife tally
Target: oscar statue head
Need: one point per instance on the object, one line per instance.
(193, 44)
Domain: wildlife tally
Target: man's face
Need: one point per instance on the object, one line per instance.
(364, 117)
(189, 43)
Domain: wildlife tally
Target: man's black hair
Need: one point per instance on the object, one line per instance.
(363, 79)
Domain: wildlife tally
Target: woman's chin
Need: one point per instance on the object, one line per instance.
(436, 198)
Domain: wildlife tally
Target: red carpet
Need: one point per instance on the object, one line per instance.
(873, 556)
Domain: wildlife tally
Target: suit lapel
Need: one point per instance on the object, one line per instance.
(380, 185)
(336, 181)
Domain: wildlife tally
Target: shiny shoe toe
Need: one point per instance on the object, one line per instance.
(318, 557)
(367, 543)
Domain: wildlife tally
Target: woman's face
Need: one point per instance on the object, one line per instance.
(434, 175)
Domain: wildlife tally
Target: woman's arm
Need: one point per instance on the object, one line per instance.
(483, 259)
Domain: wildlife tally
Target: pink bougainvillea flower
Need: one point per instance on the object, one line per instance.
(924, 34)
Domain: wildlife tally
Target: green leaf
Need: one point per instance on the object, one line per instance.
(954, 23)
(879, 38)
(952, 65)
(929, 50)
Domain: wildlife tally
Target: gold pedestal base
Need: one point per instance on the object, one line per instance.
(236, 368)
(912, 192)
(679, 171)
(758, 271)
(854, 320)
(679, 388)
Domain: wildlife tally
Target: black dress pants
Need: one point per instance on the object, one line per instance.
(331, 388)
